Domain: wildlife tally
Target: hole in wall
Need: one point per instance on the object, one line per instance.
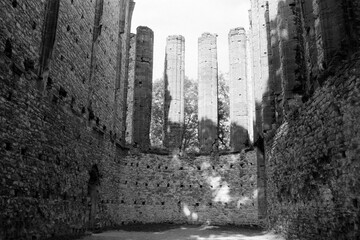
(68, 28)
(14, 3)
(62, 93)
(8, 146)
(54, 99)
(9, 96)
(23, 150)
(8, 48)
(33, 25)
(49, 83)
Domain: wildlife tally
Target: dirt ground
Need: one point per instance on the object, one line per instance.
(184, 232)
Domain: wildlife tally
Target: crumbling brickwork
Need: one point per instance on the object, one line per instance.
(143, 87)
(238, 90)
(208, 90)
(174, 76)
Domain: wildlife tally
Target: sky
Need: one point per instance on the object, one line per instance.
(190, 18)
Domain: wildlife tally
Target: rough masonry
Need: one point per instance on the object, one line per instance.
(238, 90)
(174, 75)
(308, 108)
(143, 87)
(208, 89)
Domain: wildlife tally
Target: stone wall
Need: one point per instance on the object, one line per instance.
(308, 112)
(174, 103)
(208, 92)
(59, 140)
(317, 151)
(186, 189)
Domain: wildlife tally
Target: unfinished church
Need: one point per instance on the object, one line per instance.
(75, 112)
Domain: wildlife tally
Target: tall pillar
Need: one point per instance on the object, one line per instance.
(174, 75)
(238, 89)
(260, 74)
(143, 87)
(208, 92)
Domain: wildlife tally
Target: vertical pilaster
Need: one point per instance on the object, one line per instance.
(130, 90)
(121, 84)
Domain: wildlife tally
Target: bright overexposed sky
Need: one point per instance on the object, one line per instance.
(190, 18)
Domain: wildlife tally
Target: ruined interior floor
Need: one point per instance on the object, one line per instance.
(184, 232)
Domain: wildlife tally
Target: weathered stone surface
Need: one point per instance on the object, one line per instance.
(208, 89)
(143, 87)
(238, 91)
(130, 91)
(174, 75)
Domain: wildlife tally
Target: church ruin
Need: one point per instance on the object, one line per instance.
(75, 94)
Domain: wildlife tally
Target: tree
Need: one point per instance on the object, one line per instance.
(190, 140)
(190, 129)
(223, 112)
(157, 113)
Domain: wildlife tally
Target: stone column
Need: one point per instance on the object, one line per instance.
(208, 92)
(238, 89)
(174, 74)
(260, 74)
(143, 87)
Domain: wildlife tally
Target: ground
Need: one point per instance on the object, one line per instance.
(184, 232)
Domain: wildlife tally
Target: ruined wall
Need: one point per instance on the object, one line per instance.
(208, 90)
(186, 189)
(311, 144)
(58, 137)
(317, 151)
(143, 87)
(174, 76)
(238, 90)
